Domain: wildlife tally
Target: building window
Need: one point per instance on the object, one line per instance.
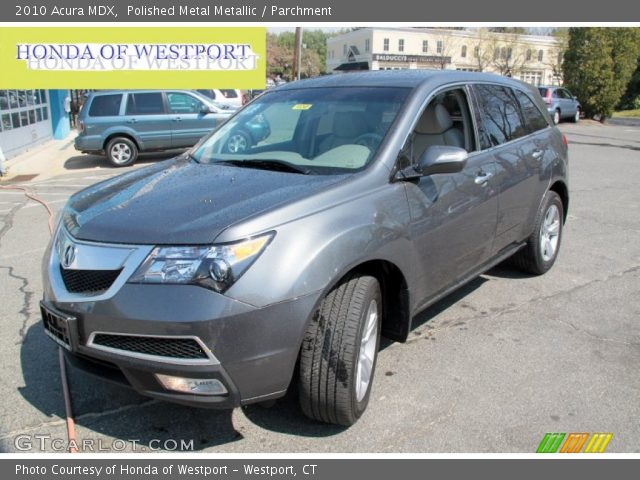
(463, 51)
(496, 53)
(344, 50)
(401, 45)
(528, 57)
(439, 47)
(476, 52)
(425, 46)
(540, 55)
(385, 45)
(367, 45)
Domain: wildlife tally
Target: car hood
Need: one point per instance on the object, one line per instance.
(182, 202)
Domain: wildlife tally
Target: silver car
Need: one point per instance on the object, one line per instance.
(561, 104)
(221, 278)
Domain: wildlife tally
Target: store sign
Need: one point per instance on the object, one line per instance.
(384, 57)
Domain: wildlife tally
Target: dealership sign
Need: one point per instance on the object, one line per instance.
(438, 59)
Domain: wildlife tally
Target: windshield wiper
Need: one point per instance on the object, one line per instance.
(268, 164)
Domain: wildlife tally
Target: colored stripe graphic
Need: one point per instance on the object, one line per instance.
(574, 442)
(550, 443)
(598, 443)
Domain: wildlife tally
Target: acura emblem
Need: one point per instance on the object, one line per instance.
(68, 256)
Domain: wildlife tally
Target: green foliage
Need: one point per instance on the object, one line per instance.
(631, 98)
(280, 50)
(598, 65)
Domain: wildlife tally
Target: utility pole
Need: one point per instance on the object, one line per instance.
(297, 54)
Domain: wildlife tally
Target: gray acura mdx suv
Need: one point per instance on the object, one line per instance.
(218, 279)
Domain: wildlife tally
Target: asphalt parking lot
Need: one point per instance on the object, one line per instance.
(491, 368)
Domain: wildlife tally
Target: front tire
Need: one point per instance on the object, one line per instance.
(121, 151)
(542, 247)
(339, 352)
(576, 117)
(556, 117)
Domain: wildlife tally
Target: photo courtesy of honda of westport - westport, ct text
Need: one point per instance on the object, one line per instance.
(322, 239)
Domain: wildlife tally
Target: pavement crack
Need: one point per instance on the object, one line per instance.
(27, 298)
(452, 323)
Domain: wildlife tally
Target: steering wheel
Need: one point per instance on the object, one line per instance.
(369, 140)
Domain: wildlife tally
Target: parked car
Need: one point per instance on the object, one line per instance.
(219, 278)
(561, 104)
(121, 124)
(230, 97)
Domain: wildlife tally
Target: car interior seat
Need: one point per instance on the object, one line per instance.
(435, 127)
(347, 127)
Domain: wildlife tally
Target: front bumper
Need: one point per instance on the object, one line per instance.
(254, 349)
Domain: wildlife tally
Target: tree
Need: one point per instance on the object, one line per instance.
(482, 49)
(507, 57)
(598, 66)
(445, 46)
(631, 98)
(280, 48)
(555, 55)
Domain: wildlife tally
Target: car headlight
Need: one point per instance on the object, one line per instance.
(216, 267)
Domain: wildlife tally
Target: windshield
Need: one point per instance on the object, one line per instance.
(314, 130)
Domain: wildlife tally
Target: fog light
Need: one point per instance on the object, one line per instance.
(197, 386)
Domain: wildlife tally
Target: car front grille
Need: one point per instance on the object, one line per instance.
(177, 348)
(88, 282)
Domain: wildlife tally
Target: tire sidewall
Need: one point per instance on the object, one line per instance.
(372, 293)
(556, 117)
(551, 198)
(130, 144)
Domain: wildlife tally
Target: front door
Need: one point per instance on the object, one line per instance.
(190, 119)
(453, 215)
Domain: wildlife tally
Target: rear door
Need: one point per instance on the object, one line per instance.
(569, 105)
(190, 119)
(503, 130)
(146, 114)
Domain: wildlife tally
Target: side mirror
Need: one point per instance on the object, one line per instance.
(204, 109)
(442, 159)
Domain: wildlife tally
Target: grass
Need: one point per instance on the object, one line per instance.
(628, 113)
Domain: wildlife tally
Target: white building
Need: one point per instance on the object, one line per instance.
(533, 58)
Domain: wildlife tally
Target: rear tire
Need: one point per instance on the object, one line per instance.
(339, 352)
(121, 151)
(542, 247)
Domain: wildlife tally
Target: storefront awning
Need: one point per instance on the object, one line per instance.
(345, 67)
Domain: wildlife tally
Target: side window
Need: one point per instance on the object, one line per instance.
(145, 104)
(500, 119)
(105, 105)
(445, 121)
(183, 103)
(229, 93)
(534, 119)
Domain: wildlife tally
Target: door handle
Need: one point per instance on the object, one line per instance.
(537, 154)
(482, 178)
(132, 120)
(177, 119)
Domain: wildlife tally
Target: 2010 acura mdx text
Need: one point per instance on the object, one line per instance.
(221, 278)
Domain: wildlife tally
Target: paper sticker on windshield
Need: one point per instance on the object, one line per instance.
(301, 106)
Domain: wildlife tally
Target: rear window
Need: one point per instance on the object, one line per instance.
(145, 104)
(500, 113)
(229, 93)
(533, 117)
(105, 105)
(543, 91)
(207, 93)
